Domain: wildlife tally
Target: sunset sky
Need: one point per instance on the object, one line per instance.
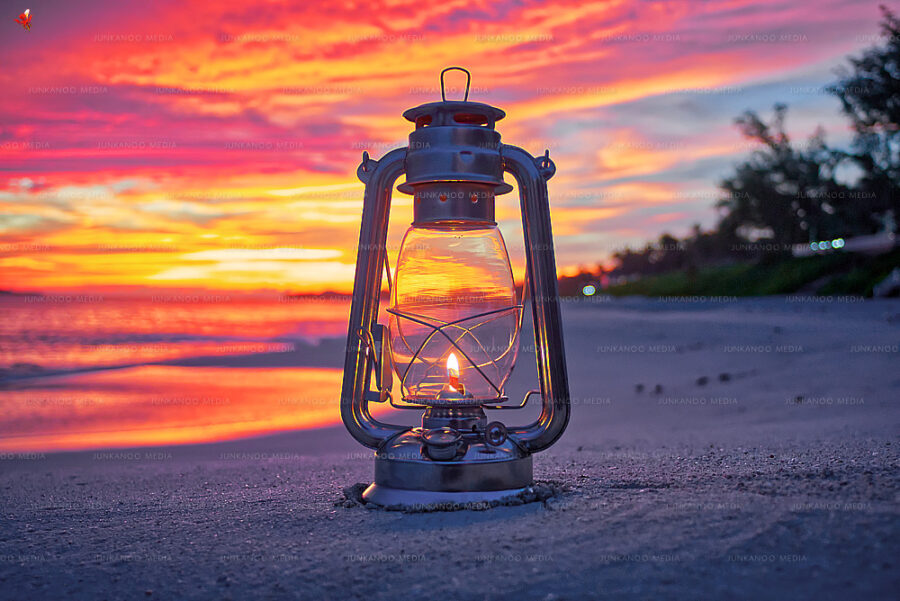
(215, 144)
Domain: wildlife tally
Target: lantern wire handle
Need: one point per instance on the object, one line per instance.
(440, 330)
(468, 82)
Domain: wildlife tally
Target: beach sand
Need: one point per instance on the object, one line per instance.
(765, 466)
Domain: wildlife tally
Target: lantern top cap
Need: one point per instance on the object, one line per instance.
(454, 112)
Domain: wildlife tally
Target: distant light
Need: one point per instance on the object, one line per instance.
(589, 290)
(813, 246)
(837, 243)
(824, 245)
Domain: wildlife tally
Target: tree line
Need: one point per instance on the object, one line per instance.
(787, 193)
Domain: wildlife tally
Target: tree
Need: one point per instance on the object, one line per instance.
(783, 194)
(870, 96)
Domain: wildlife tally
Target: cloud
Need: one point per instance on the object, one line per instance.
(245, 121)
(28, 222)
(194, 212)
(245, 255)
(302, 276)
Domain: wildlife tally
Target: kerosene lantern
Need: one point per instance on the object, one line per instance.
(454, 317)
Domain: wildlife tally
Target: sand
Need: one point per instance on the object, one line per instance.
(765, 466)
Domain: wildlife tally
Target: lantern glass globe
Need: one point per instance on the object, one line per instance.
(453, 302)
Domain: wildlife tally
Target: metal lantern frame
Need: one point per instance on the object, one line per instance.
(456, 456)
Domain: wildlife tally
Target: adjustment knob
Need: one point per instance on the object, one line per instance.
(495, 434)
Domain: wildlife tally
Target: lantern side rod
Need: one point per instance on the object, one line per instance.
(532, 174)
(379, 177)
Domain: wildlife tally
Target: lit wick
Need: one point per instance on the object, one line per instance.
(453, 372)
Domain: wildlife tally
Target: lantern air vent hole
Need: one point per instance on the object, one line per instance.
(470, 118)
(423, 121)
(443, 197)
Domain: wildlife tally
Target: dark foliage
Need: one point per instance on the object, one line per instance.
(786, 194)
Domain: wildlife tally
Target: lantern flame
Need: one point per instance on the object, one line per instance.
(453, 371)
(27, 11)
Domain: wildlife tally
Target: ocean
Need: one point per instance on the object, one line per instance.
(88, 371)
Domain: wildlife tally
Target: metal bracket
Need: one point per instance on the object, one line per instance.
(531, 173)
(378, 348)
(519, 406)
(545, 166)
(366, 168)
(379, 177)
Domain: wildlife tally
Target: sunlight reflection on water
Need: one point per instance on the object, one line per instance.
(155, 405)
(143, 404)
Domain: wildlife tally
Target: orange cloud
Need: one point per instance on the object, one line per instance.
(130, 148)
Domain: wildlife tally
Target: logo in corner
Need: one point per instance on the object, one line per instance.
(25, 19)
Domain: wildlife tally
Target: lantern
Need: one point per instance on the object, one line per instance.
(454, 316)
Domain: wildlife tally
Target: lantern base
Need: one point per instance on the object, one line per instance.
(407, 472)
(392, 497)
